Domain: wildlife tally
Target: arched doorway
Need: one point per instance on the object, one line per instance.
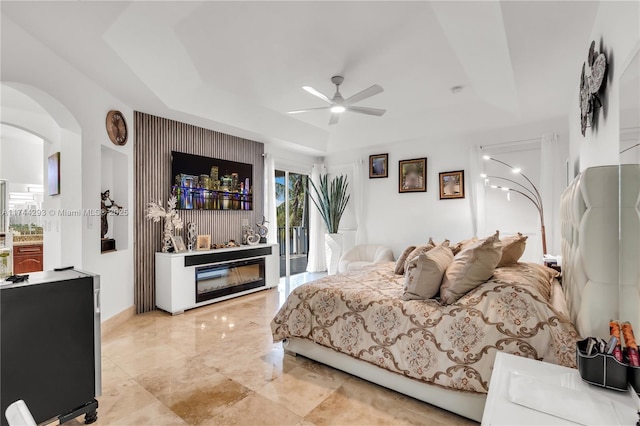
(33, 112)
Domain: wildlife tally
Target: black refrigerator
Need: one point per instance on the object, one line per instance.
(50, 345)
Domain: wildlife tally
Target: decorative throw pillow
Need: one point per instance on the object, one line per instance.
(424, 274)
(402, 260)
(537, 277)
(512, 249)
(470, 268)
(418, 251)
(463, 245)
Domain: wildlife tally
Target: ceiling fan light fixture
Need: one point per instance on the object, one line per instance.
(337, 105)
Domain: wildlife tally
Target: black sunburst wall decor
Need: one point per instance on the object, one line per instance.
(592, 82)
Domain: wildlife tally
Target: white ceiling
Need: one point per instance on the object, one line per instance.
(243, 64)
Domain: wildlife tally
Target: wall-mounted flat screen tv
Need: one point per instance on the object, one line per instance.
(204, 183)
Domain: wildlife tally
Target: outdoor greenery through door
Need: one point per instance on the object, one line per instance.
(292, 200)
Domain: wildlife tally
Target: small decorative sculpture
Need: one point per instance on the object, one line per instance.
(192, 235)
(249, 236)
(172, 221)
(107, 206)
(263, 230)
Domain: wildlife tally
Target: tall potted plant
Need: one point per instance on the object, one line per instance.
(331, 200)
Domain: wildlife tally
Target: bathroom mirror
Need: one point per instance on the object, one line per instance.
(629, 244)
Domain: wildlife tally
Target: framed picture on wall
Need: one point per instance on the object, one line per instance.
(452, 185)
(53, 174)
(378, 166)
(203, 242)
(178, 244)
(412, 175)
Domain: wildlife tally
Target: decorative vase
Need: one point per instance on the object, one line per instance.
(192, 234)
(333, 251)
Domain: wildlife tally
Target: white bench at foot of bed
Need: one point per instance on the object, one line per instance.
(470, 405)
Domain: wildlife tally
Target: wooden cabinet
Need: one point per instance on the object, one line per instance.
(27, 258)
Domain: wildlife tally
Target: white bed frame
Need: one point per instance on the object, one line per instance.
(589, 213)
(466, 404)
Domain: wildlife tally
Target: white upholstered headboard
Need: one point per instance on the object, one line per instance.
(590, 215)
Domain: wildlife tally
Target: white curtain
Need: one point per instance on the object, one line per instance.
(475, 185)
(548, 150)
(316, 258)
(270, 198)
(357, 197)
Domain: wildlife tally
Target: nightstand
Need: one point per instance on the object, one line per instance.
(556, 268)
(559, 390)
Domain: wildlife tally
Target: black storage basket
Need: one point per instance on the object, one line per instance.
(602, 370)
(634, 378)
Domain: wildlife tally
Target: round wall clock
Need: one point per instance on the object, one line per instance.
(117, 128)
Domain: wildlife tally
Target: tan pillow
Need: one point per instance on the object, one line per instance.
(512, 249)
(463, 245)
(470, 268)
(402, 259)
(424, 274)
(418, 251)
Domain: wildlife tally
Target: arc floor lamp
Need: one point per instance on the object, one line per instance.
(530, 192)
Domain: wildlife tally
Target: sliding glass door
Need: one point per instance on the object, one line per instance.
(292, 202)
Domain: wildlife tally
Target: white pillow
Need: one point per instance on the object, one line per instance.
(470, 268)
(424, 273)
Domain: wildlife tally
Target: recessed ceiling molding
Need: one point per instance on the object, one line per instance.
(142, 27)
(475, 31)
(143, 37)
(244, 50)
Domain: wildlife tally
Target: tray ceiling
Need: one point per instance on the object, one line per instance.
(242, 65)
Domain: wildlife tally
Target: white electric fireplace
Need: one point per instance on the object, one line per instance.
(192, 279)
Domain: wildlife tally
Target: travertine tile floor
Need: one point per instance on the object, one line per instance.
(218, 365)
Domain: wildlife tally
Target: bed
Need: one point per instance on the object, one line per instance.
(443, 355)
(456, 359)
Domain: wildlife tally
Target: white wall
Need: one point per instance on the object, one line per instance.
(22, 62)
(617, 27)
(398, 220)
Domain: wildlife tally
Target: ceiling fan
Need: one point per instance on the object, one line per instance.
(338, 104)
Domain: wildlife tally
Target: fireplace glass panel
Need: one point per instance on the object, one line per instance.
(221, 280)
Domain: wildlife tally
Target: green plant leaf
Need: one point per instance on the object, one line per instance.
(331, 200)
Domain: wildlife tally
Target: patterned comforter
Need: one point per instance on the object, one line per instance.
(361, 314)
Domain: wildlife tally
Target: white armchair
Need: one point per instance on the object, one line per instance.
(363, 255)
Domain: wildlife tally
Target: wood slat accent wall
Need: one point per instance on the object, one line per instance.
(155, 138)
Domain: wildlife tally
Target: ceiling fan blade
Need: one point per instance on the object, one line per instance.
(334, 118)
(366, 93)
(298, 111)
(314, 92)
(366, 110)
